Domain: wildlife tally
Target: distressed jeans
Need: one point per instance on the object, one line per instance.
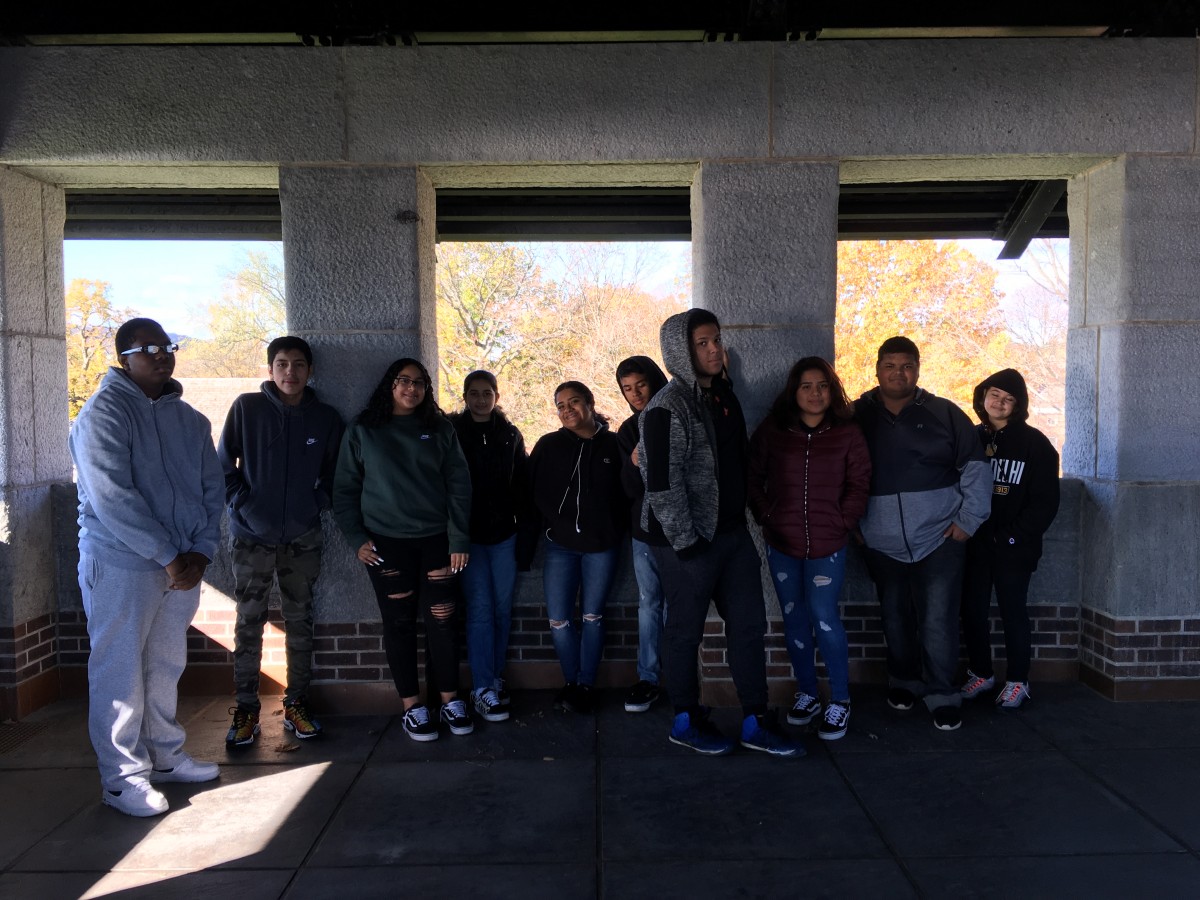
(567, 575)
(919, 603)
(808, 592)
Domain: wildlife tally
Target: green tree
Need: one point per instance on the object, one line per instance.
(92, 324)
(250, 314)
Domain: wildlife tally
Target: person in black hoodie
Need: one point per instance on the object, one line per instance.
(576, 476)
(495, 452)
(279, 448)
(1004, 552)
(640, 378)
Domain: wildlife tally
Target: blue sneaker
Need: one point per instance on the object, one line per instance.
(699, 734)
(761, 733)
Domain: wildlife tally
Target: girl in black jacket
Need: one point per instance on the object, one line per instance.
(576, 475)
(1004, 552)
(495, 452)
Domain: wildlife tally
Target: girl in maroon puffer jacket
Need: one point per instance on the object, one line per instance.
(810, 473)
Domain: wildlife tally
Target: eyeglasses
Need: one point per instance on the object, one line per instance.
(152, 349)
(405, 382)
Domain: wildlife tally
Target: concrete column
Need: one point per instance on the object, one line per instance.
(764, 259)
(33, 436)
(360, 268)
(1133, 401)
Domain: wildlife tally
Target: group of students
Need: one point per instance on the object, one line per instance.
(447, 509)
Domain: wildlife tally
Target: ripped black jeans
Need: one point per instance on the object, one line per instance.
(402, 587)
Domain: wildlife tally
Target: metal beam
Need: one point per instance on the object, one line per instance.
(1028, 215)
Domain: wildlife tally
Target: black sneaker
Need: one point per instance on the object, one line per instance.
(487, 705)
(455, 715)
(946, 718)
(835, 722)
(901, 699)
(418, 725)
(804, 710)
(581, 700)
(562, 700)
(641, 696)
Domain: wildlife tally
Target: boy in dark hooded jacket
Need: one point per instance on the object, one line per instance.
(694, 458)
(1004, 552)
(640, 378)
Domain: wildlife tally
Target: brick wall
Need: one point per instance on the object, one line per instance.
(1126, 658)
(28, 665)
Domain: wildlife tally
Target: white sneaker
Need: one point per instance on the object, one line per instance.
(136, 799)
(191, 771)
(1014, 694)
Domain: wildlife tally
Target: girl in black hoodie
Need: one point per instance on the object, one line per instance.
(576, 475)
(500, 546)
(1004, 552)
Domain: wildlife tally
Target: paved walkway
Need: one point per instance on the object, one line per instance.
(1073, 796)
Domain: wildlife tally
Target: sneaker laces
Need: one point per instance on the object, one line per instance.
(804, 701)
(837, 713)
(457, 709)
(488, 698)
(1012, 691)
(240, 716)
(418, 714)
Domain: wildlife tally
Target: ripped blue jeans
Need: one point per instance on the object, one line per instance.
(808, 592)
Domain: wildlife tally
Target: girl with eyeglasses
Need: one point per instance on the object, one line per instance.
(402, 496)
(576, 475)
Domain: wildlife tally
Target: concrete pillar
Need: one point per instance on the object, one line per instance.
(360, 269)
(1133, 401)
(33, 436)
(764, 259)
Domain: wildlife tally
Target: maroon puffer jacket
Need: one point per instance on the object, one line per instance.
(808, 489)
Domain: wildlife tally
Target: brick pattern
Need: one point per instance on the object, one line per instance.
(27, 650)
(1132, 648)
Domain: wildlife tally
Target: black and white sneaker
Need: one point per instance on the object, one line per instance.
(901, 699)
(487, 705)
(455, 715)
(836, 721)
(804, 710)
(418, 725)
(641, 696)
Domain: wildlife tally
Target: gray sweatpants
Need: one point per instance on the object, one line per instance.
(138, 631)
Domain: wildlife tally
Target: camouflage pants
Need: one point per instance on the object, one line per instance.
(255, 567)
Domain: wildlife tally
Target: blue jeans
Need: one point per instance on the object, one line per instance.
(650, 612)
(488, 582)
(808, 591)
(919, 603)
(568, 574)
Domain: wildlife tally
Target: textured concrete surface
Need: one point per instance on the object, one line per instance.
(869, 98)
(1070, 796)
(602, 102)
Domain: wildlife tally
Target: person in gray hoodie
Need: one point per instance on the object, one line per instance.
(279, 449)
(930, 491)
(150, 503)
(694, 458)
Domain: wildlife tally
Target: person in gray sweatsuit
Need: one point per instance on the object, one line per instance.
(150, 502)
(930, 490)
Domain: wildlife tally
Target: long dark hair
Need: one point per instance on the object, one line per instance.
(786, 412)
(379, 407)
(584, 391)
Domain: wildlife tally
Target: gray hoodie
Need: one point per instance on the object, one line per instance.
(149, 483)
(677, 462)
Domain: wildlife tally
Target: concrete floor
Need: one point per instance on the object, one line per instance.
(1071, 796)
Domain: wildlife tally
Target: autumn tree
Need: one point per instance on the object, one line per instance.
(498, 311)
(92, 324)
(249, 315)
(938, 294)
